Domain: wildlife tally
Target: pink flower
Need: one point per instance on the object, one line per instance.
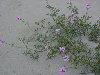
(66, 58)
(88, 5)
(62, 70)
(62, 49)
(18, 17)
(1, 41)
(57, 31)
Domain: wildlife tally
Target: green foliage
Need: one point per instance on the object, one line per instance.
(69, 37)
(95, 32)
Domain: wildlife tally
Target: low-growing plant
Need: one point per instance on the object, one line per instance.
(63, 37)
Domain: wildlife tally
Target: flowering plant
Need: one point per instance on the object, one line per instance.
(64, 37)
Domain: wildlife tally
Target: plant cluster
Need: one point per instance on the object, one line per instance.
(63, 37)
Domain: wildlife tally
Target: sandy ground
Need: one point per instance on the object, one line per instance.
(12, 61)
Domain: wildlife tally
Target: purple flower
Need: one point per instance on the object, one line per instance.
(18, 17)
(62, 49)
(88, 5)
(46, 49)
(1, 41)
(57, 31)
(66, 58)
(62, 70)
(72, 17)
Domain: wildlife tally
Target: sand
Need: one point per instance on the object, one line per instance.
(12, 61)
